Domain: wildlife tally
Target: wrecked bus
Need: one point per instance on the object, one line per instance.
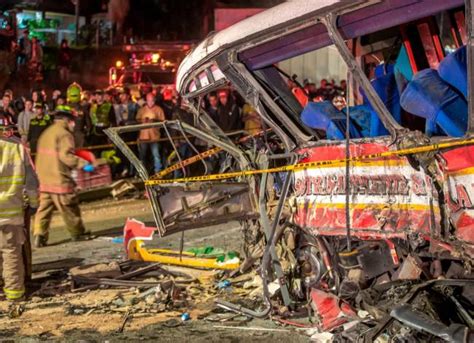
(368, 206)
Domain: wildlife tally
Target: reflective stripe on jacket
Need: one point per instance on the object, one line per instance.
(16, 178)
(14, 294)
(100, 114)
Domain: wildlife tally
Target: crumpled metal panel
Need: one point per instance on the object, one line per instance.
(388, 197)
(198, 203)
(459, 190)
(330, 310)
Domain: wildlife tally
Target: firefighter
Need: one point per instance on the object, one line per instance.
(102, 116)
(17, 180)
(55, 161)
(82, 118)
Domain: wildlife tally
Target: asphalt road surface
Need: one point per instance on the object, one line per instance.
(44, 318)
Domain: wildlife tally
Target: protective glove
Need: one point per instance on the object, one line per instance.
(88, 168)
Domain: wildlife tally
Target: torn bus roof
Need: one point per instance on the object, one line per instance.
(252, 26)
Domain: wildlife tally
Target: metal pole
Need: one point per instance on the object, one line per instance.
(389, 122)
(469, 16)
(348, 156)
(77, 4)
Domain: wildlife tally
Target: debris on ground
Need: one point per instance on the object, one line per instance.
(134, 293)
(122, 189)
(124, 296)
(330, 290)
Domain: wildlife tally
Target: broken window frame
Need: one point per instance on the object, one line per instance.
(194, 81)
(153, 191)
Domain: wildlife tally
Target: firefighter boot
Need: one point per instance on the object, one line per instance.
(40, 241)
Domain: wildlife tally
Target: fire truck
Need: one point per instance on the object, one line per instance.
(149, 66)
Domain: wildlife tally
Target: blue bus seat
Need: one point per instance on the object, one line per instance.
(324, 116)
(428, 96)
(453, 70)
(362, 116)
(385, 85)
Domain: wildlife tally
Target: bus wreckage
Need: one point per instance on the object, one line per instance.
(372, 204)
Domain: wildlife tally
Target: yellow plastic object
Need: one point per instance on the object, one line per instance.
(137, 251)
(170, 252)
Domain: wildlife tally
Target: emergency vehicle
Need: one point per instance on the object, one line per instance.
(149, 66)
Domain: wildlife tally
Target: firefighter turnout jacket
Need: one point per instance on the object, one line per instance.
(17, 183)
(56, 159)
(17, 178)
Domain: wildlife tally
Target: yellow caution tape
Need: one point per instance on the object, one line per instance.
(310, 165)
(185, 163)
(199, 157)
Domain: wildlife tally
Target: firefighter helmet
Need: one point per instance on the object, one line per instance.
(74, 93)
(64, 111)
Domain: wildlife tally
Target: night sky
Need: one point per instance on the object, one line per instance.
(172, 20)
(179, 19)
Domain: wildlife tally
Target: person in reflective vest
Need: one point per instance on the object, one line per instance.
(102, 116)
(81, 110)
(55, 161)
(38, 124)
(17, 179)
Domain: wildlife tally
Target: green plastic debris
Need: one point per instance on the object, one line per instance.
(211, 252)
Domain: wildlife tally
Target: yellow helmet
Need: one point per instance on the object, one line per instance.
(73, 93)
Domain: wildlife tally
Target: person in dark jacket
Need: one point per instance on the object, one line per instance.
(228, 113)
(38, 124)
(64, 61)
(213, 109)
(24, 44)
(81, 113)
(126, 110)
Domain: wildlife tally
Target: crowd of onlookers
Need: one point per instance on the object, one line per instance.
(27, 54)
(327, 91)
(98, 110)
